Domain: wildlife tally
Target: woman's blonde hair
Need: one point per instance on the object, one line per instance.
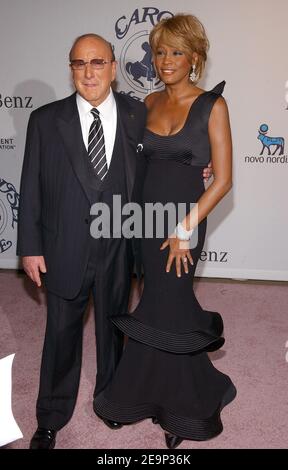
(185, 32)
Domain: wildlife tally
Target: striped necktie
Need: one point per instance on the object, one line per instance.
(96, 146)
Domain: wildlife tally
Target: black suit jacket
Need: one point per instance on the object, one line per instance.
(54, 211)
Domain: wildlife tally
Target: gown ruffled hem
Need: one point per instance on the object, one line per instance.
(209, 339)
(182, 426)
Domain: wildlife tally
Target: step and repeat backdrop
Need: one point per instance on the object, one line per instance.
(248, 231)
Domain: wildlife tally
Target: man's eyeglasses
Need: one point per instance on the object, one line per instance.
(97, 64)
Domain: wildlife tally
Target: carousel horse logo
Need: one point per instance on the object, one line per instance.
(9, 204)
(139, 73)
(136, 57)
(142, 69)
(267, 141)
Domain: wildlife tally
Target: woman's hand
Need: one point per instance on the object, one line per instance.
(179, 250)
(208, 172)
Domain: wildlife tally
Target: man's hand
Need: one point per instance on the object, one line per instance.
(208, 172)
(33, 266)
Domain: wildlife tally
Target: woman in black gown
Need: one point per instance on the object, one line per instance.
(165, 372)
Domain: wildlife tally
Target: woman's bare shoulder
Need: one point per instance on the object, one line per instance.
(152, 98)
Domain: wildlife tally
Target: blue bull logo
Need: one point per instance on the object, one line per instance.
(144, 68)
(267, 141)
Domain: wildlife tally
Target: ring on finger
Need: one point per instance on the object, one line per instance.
(185, 259)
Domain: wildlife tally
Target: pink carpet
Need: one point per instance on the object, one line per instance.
(254, 355)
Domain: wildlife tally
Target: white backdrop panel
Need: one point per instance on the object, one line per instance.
(248, 231)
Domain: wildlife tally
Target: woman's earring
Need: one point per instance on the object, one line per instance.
(193, 75)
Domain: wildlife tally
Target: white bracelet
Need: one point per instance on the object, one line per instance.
(182, 233)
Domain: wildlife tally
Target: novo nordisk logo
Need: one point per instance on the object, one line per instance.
(135, 57)
(267, 142)
(272, 150)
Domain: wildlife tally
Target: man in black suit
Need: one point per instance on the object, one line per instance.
(59, 183)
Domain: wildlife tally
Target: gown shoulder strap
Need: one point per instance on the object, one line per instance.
(209, 98)
(218, 89)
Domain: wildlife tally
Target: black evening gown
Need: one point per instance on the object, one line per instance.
(165, 371)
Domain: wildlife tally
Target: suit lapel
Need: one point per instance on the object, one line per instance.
(69, 127)
(126, 120)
